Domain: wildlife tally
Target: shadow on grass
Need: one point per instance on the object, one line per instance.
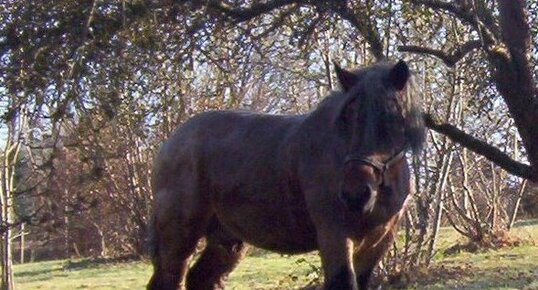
(34, 273)
(46, 273)
(516, 280)
(97, 262)
(472, 278)
(524, 223)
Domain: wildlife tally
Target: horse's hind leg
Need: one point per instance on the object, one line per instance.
(221, 255)
(179, 222)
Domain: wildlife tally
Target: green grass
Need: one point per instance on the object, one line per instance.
(63, 275)
(515, 268)
(511, 268)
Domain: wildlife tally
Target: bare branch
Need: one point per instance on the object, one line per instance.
(241, 14)
(480, 147)
(305, 38)
(488, 36)
(365, 27)
(466, 48)
(363, 24)
(275, 24)
(451, 8)
(450, 59)
(440, 54)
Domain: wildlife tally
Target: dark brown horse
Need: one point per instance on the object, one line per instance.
(335, 179)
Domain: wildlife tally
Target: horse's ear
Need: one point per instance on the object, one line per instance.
(346, 78)
(399, 75)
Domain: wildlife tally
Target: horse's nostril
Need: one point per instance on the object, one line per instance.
(358, 199)
(387, 190)
(366, 191)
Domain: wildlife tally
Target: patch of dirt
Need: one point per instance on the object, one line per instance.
(496, 240)
(426, 276)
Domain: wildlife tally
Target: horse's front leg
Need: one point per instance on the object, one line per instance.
(336, 252)
(368, 253)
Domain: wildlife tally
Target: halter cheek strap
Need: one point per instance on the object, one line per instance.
(381, 167)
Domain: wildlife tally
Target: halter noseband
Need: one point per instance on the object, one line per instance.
(381, 167)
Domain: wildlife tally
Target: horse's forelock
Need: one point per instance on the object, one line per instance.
(410, 103)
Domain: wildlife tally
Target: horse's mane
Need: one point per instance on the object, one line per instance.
(414, 123)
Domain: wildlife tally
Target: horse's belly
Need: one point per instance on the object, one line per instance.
(273, 226)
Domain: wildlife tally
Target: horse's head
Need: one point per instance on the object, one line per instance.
(379, 120)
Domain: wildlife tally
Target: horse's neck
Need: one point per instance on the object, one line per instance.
(317, 133)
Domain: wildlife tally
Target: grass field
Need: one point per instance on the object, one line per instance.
(509, 268)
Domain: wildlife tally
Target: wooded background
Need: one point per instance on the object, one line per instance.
(89, 89)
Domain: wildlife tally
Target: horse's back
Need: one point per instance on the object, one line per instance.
(227, 131)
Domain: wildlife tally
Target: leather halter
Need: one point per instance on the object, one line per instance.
(381, 167)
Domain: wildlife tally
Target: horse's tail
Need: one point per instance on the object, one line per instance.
(152, 248)
(152, 242)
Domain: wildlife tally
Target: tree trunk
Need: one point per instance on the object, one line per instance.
(516, 205)
(6, 199)
(440, 189)
(7, 269)
(103, 252)
(22, 243)
(7, 189)
(513, 76)
(66, 233)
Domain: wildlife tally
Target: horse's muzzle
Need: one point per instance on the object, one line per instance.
(360, 200)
